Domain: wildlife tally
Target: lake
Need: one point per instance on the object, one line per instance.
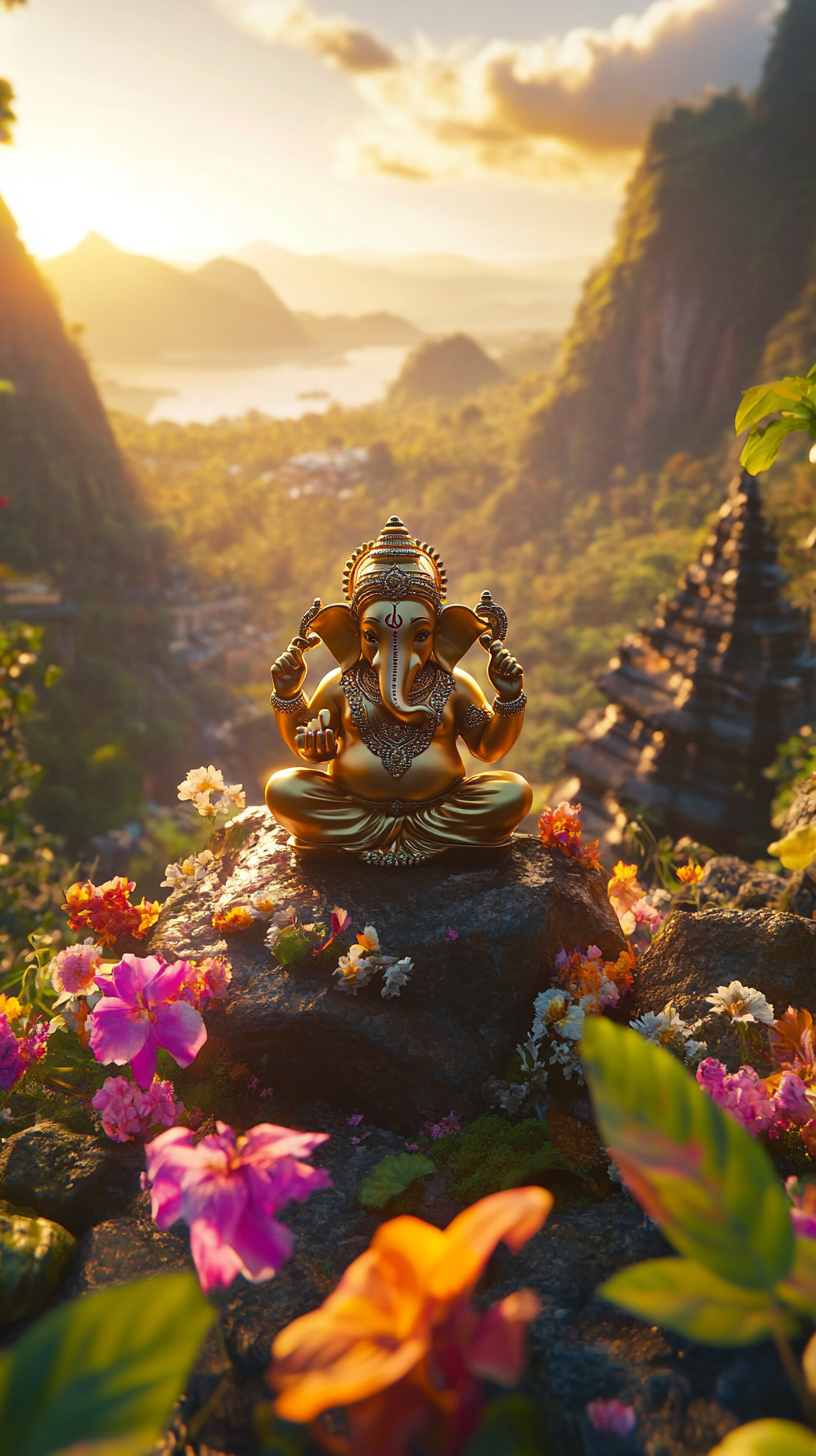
(188, 393)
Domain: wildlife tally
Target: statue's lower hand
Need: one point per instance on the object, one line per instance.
(505, 673)
(289, 672)
(316, 742)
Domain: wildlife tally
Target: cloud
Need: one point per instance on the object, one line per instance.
(572, 109)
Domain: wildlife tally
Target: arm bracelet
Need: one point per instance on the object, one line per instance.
(297, 704)
(509, 710)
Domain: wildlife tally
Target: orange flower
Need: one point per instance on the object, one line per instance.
(623, 888)
(399, 1343)
(107, 911)
(236, 918)
(10, 1008)
(622, 971)
(690, 874)
(560, 828)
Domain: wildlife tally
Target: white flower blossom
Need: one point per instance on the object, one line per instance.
(188, 872)
(354, 971)
(201, 781)
(280, 920)
(396, 975)
(741, 1003)
(565, 1055)
(694, 1051)
(261, 906)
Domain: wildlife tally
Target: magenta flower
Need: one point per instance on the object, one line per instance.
(802, 1193)
(791, 1100)
(146, 1014)
(228, 1190)
(612, 1417)
(12, 1064)
(451, 935)
(742, 1093)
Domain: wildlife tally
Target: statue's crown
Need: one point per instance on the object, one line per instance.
(394, 567)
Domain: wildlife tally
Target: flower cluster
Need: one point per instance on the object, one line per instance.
(612, 1417)
(591, 980)
(201, 783)
(560, 828)
(17, 1053)
(636, 908)
(106, 910)
(206, 982)
(128, 1112)
(744, 1094)
(741, 1003)
(230, 919)
(440, 1129)
(400, 1345)
(364, 960)
(188, 872)
(665, 1028)
(228, 1191)
(786, 1098)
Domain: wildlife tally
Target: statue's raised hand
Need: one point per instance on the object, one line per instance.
(289, 672)
(505, 673)
(316, 742)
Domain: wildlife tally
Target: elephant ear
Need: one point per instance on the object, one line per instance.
(456, 631)
(337, 627)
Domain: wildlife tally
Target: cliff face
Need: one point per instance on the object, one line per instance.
(714, 249)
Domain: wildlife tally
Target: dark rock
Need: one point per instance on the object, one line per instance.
(34, 1254)
(122, 1249)
(802, 809)
(69, 1177)
(469, 1001)
(729, 880)
(694, 954)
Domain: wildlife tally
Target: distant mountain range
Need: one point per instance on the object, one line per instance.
(439, 292)
(134, 308)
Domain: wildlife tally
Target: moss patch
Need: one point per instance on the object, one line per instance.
(491, 1154)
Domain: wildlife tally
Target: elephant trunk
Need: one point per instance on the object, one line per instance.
(395, 673)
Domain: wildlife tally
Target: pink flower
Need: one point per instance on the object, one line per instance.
(612, 1417)
(439, 1129)
(207, 982)
(355, 1119)
(253, 1083)
(791, 1100)
(741, 1093)
(451, 935)
(144, 1015)
(228, 1191)
(128, 1112)
(12, 1064)
(412, 1147)
(802, 1193)
(267, 1091)
(74, 970)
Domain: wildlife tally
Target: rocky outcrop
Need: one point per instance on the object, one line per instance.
(34, 1254)
(733, 881)
(69, 1177)
(694, 954)
(482, 934)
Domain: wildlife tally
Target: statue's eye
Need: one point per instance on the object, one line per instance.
(370, 637)
(422, 636)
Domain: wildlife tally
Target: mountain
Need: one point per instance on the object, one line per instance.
(445, 369)
(714, 263)
(339, 331)
(135, 307)
(75, 551)
(436, 291)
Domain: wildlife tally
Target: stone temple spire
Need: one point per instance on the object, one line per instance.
(699, 703)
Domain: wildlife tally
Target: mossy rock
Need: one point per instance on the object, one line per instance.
(34, 1255)
(492, 1154)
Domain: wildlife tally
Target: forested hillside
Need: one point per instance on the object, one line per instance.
(715, 247)
(72, 518)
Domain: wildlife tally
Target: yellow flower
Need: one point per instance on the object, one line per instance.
(236, 918)
(401, 1315)
(690, 874)
(623, 889)
(10, 1008)
(798, 849)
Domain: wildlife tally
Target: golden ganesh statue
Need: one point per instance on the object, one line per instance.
(387, 722)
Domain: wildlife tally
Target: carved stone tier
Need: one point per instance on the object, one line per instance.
(700, 701)
(469, 1001)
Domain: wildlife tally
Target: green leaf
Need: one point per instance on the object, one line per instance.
(6, 387)
(510, 1426)
(106, 1368)
(762, 446)
(799, 1289)
(697, 1173)
(293, 945)
(392, 1176)
(768, 1438)
(766, 399)
(684, 1297)
(34, 1254)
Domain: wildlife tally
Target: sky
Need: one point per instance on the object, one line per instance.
(500, 129)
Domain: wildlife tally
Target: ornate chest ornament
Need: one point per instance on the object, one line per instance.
(396, 744)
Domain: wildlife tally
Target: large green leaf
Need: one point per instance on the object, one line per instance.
(392, 1176)
(762, 446)
(697, 1173)
(768, 1438)
(799, 1289)
(766, 399)
(105, 1369)
(684, 1297)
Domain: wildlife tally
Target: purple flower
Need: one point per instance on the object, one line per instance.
(741, 1093)
(612, 1417)
(146, 1014)
(451, 935)
(12, 1064)
(228, 1190)
(802, 1193)
(253, 1083)
(355, 1119)
(791, 1100)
